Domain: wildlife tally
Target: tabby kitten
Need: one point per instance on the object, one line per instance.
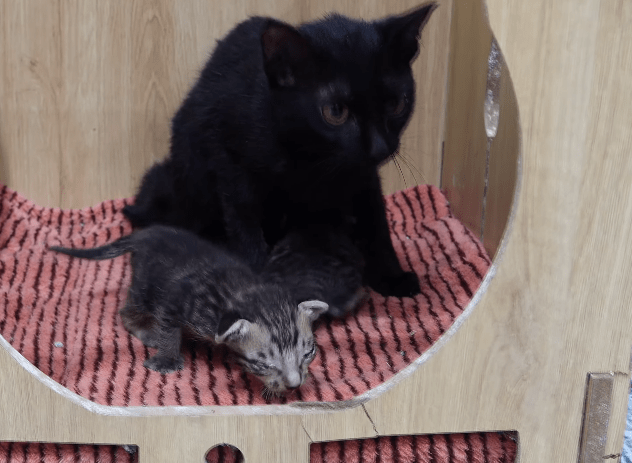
(182, 283)
(277, 113)
(319, 263)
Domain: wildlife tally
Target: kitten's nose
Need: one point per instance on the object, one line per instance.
(293, 380)
(378, 150)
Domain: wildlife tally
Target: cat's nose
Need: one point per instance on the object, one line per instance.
(293, 380)
(378, 149)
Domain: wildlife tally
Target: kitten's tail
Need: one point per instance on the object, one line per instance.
(109, 251)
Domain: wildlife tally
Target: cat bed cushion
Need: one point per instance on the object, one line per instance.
(60, 313)
(492, 447)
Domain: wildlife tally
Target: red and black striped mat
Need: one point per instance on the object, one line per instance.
(491, 447)
(61, 313)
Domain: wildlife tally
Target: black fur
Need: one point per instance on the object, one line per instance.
(319, 263)
(254, 151)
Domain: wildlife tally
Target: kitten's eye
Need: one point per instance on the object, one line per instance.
(336, 114)
(397, 107)
(311, 353)
(255, 366)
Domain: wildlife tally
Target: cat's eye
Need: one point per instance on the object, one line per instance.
(255, 366)
(311, 352)
(397, 107)
(335, 114)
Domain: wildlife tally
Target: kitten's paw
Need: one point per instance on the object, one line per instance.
(164, 365)
(148, 338)
(403, 285)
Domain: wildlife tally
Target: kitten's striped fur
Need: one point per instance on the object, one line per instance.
(182, 283)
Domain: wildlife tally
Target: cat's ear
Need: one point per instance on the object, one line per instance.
(402, 33)
(231, 328)
(286, 54)
(313, 309)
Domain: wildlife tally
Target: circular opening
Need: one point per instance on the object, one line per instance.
(61, 314)
(88, 350)
(224, 453)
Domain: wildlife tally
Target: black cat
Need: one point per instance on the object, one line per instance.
(286, 127)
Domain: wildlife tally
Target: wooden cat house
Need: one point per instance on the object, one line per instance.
(522, 125)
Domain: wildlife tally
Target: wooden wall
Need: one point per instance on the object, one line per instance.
(87, 88)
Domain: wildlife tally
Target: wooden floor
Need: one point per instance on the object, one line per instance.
(557, 309)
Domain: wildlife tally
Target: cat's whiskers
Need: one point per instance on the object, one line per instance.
(409, 160)
(409, 163)
(411, 169)
(401, 173)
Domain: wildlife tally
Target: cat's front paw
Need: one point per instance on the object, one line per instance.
(405, 284)
(164, 365)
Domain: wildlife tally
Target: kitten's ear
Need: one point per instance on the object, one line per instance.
(231, 328)
(313, 309)
(286, 54)
(402, 32)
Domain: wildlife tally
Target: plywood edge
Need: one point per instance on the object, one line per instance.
(504, 167)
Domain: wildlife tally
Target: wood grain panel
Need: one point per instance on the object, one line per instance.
(30, 93)
(88, 89)
(464, 157)
(113, 158)
(77, 95)
(557, 307)
(152, 84)
(601, 273)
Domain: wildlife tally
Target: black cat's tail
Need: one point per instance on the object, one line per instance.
(109, 251)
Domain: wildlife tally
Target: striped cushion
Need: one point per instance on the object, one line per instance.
(489, 447)
(61, 313)
(35, 452)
